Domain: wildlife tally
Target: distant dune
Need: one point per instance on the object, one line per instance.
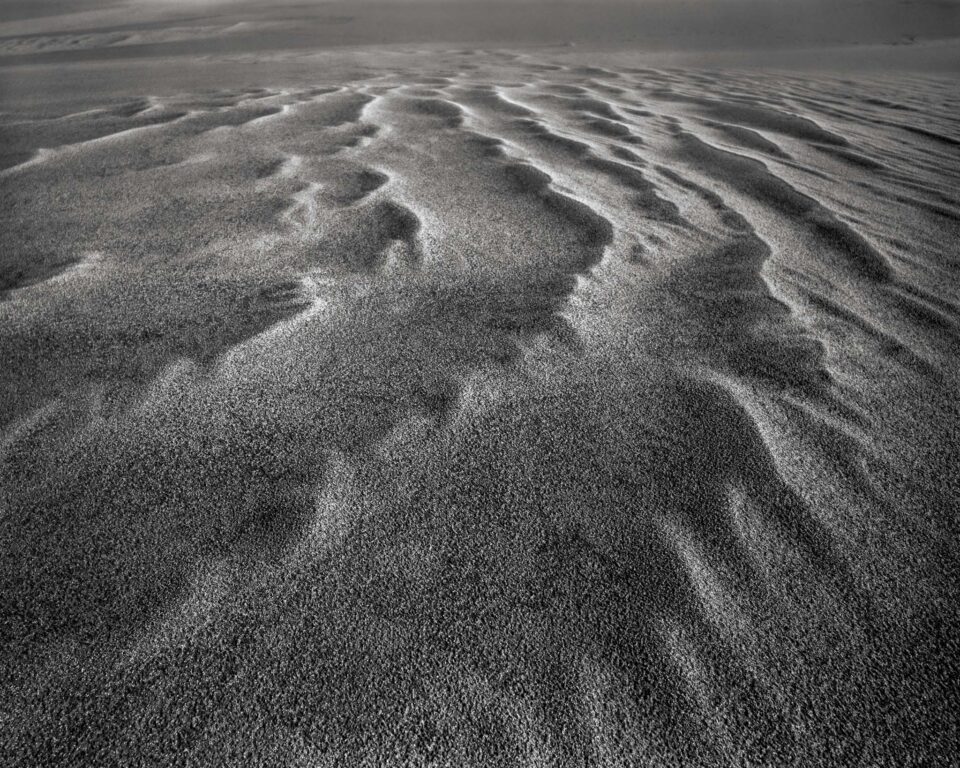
(475, 406)
(82, 30)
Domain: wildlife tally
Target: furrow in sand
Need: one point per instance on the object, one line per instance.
(751, 177)
(43, 154)
(553, 148)
(580, 232)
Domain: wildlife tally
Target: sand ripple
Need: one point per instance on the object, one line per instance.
(513, 412)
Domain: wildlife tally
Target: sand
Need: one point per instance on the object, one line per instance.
(478, 407)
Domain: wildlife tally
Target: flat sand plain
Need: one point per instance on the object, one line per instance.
(478, 407)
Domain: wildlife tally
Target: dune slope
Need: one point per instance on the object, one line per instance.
(503, 411)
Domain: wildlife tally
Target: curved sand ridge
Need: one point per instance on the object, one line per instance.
(515, 412)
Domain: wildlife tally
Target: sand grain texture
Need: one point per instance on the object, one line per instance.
(501, 411)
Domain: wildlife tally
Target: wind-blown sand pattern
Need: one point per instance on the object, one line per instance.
(499, 411)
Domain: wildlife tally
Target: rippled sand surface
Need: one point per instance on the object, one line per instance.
(484, 408)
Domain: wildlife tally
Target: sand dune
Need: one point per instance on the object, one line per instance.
(503, 411)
